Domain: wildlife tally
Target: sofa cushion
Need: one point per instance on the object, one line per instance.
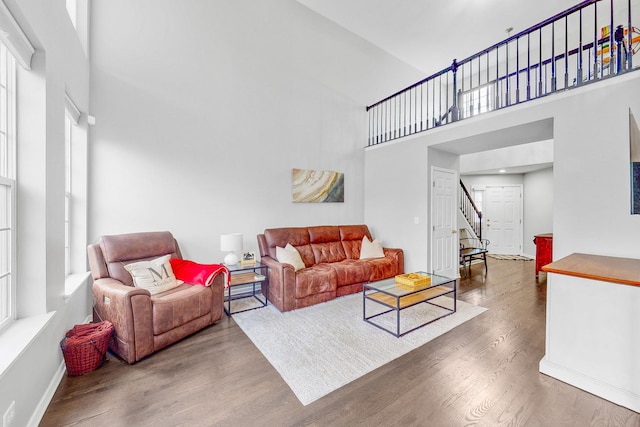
(351, 236)
(155, 275)
(178, 306)
(324, 234)
(328, 252)
(315, 280)
(382, 268)
(351, 271)
(127, 248)
(354, 232)
(297, 236)
(325, 243)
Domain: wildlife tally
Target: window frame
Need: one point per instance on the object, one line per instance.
(68, 138)
(8, 180)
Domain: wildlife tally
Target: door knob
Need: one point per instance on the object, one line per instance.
(454, 231)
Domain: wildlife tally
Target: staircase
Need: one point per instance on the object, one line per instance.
(470, 211)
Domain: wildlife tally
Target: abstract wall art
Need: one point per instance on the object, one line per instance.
(313, 186)
(634, 142)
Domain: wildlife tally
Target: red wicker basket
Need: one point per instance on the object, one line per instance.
(85, 347)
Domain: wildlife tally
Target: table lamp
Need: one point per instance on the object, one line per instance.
(231, 243)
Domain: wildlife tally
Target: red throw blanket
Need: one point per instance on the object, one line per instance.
(198, 274)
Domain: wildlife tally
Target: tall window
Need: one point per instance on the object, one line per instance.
(67, 194)
(7, 186)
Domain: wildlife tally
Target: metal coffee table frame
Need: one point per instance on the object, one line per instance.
(399, 297)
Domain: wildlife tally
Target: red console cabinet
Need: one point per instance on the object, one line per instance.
(544, 250)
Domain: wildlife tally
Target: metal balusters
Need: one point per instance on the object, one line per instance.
(480, 100)
(629, 38)
(468, 93)
(566, 52)
(540, 62)
(553, 57)
(528, 66)
(517, 70)
(506, 63)
(611, 40)
(580, 53)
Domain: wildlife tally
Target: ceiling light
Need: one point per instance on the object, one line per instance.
(502, 171)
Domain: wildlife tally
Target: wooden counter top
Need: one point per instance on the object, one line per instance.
(625, 271)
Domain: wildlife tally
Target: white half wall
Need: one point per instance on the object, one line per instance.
(591, 331)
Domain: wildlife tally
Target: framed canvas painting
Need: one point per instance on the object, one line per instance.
(313, 186)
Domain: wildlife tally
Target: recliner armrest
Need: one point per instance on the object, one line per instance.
(129, 310)
(398, 257)
(282, 283)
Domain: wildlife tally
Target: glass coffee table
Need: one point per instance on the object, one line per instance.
(392, 298)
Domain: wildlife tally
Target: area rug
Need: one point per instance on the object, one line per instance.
(321, 348)
(510, 257)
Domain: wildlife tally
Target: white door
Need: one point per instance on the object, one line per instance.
(444, 222)
(502, 218)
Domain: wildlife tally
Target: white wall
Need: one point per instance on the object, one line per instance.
(538, 207)
(397, 188)
(522, 156)
(471, 181)
(397, 191)
(204, 107)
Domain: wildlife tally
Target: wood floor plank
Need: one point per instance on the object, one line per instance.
(482, 373)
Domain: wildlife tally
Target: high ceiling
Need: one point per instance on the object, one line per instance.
(429, 34)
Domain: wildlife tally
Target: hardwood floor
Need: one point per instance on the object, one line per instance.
(484, 373)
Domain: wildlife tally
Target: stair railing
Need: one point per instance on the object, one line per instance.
(470, 210)
(570, 49)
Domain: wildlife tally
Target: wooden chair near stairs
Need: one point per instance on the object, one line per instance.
(472, 248)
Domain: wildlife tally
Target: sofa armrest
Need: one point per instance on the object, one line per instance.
(282, 282)
(397, 255)
(129, 310)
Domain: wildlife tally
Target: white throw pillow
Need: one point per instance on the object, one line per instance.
(371, 249)
(290, 255)
(155, 275)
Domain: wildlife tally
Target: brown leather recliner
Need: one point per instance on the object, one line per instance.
(145, 323)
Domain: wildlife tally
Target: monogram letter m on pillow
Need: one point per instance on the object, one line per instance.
(155, 276)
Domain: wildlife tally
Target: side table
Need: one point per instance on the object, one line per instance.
(247, 281)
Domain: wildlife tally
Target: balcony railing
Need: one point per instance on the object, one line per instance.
(589, 42)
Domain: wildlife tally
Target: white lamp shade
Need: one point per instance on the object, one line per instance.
(231, 243)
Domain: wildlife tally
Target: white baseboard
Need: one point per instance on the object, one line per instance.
(37, 415)
(594, 386)
(42, 406)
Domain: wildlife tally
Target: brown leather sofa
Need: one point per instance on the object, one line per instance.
(145, 323)
(331, 255)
